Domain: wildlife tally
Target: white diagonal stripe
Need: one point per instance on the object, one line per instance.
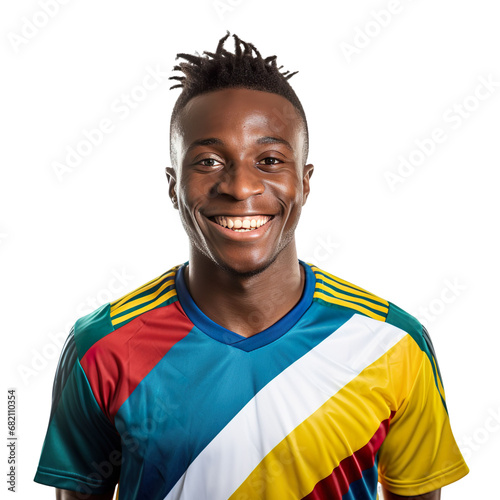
(280, 406)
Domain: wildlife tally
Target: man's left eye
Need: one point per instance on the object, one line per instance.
(269, 161)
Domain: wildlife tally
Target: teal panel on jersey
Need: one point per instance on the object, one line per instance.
(91, 328)
(81, 451)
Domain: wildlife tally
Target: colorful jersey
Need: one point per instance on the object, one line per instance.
(342, 392)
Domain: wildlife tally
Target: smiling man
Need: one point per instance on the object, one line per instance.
(246, 373)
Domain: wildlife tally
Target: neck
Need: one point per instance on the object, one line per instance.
(246, 304)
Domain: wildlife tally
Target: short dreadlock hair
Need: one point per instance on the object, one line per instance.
(246, 68)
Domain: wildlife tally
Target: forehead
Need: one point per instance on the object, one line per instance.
(240, 113)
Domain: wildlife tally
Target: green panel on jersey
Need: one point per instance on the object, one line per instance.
(67, 447)
(397, 317)
(400, 318)
(91, 328)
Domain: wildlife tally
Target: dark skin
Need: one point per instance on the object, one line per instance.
(233, 160)
(433, 495)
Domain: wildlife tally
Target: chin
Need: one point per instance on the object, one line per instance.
(245, 268)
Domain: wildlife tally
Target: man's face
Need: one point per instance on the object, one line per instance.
(240, 180)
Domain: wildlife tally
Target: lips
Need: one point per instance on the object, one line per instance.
(241, 223)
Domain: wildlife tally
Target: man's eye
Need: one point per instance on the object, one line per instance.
(208, 162)
(269, 161)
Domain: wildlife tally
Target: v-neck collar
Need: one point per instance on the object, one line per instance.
(221, 334)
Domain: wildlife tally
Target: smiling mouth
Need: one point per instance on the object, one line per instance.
(241, 224)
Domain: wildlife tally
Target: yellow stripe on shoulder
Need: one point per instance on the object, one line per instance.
(330, 288)
(131, 302)
(127, 317)
(161, 289)
(142, 288)
(349, 298)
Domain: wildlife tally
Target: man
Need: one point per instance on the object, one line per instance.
(246, 373)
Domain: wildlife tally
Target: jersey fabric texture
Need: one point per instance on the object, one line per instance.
(341, 393)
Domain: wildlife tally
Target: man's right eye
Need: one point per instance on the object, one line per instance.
(209, 162)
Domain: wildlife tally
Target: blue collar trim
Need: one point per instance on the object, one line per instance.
(221, 334)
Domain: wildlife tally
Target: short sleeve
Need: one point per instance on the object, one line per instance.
(420, 454)
(81, 451)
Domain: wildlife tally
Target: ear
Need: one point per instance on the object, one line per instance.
(306, 176)
(172, 182)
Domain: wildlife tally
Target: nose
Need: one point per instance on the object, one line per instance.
(240, 180)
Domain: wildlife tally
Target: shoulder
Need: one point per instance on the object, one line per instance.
(118, 343)
(337, 293)
(109, 320)
(382, 321)
(159, 292)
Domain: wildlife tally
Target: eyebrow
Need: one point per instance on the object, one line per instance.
(204, 142)
(274, 140)
(261, 140)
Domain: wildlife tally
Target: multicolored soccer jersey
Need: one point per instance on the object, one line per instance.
(342, 392)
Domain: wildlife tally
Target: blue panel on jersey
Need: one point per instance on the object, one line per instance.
(172, 425)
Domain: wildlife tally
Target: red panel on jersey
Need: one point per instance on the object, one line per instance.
(129, 353)
(350, 469)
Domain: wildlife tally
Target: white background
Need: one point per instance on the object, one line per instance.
(431, 243)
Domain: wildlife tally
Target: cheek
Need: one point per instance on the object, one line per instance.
(289, 192)
(195, 189)
(189, 193)
(188, 201)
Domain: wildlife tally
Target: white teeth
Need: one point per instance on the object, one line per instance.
(240, 224)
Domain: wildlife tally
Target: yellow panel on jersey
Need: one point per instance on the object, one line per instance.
(431, 452)
(349, 427)
(438, 378)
